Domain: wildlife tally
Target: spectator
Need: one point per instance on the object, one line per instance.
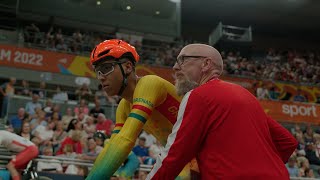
(74, 141)
(7, 90)
(61, 45)
(82, 107)
(89, 126)
(299, 97)
(92, 151)
(54, 118)
(155, 149)
(99, 138)
(60, 96)
(51, 165)
(58, 35)
(150, 139)
(58, 136)
(68, 152)
(76, 41)
(292, 168)
(84, 92)
(309, 173)
(97, 109)
(274, 93)
(26, 131)
(311, 154)
(309, 134)
(48, 108)
(16, 121)
(298, 131)
(31, 33)
(101, 96)
(104, 125)
(24, 89)
(304, 165)
(143, 175)
(82, 171)
(39, 120)
(32, 105)
(45, 133)
(67, 118)
(141, 150)
(42, 90)
(76, 125)
(301, 142)
(262, 92)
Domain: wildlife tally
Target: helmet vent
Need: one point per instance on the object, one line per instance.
(103, 53)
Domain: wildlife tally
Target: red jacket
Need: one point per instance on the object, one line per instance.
(225, 127)
(77, 147)
(105, 126)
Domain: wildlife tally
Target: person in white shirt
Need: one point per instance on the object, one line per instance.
(45, 133)
(60, 96)
(52, 166)
(263, 92)
(150, 140)
(26, 151)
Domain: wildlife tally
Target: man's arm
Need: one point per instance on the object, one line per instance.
(282, 139)
(122, 141)
(187, 135)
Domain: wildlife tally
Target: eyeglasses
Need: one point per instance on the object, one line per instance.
(182, 59)
(104, 69)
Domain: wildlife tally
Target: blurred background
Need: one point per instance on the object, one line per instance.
(272, 48)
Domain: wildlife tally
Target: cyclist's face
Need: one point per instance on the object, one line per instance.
(111, 77)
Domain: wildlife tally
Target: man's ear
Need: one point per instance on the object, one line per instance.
(207, 64)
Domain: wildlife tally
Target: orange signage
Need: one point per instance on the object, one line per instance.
(34, 59)
(48, 61)
(287, 111)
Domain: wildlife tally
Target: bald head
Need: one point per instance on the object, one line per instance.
(207, 51)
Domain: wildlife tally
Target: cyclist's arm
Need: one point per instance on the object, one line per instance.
(148, 94)
(121, 116)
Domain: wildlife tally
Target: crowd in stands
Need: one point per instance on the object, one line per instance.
(79, 42)
(305, 161)
(290, 66)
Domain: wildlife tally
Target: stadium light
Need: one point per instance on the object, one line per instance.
(98, 3)
(128, 8)
(175, 1)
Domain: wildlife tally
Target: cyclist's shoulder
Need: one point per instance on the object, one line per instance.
(150, 79)
(123, 103)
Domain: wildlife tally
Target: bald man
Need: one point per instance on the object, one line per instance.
(222, 125)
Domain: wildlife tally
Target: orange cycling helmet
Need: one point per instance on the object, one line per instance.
(113, 48)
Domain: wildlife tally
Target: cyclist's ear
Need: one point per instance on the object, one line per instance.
(129, 67)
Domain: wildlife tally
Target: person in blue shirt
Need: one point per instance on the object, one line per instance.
(292, 168)
(16, 121)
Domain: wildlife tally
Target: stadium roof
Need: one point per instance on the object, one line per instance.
(282, 15)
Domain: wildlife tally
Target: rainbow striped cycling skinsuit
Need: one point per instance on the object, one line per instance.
(155, 107)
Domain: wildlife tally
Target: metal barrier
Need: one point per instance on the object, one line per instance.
(6, 155)
(145, 167)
